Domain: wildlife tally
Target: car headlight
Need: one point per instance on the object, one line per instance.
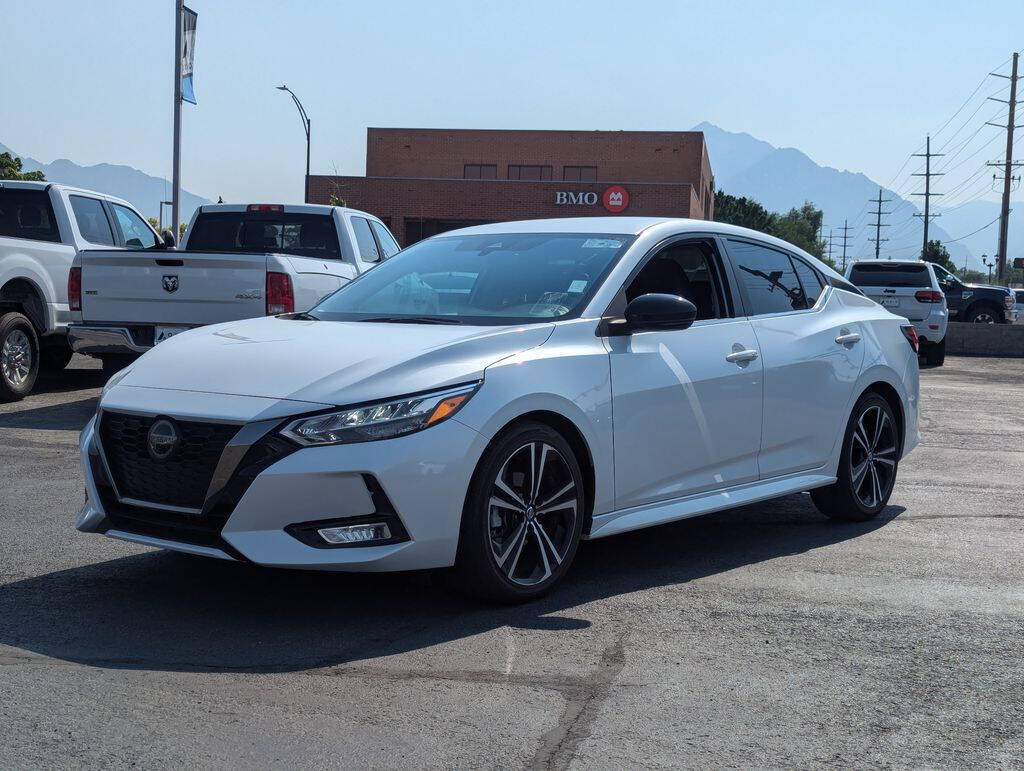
(383, 420)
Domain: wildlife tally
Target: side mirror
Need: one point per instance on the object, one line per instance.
(168, 239)
(659, 311)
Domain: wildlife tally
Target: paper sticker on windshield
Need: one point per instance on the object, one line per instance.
(577, 286)
(601, 243)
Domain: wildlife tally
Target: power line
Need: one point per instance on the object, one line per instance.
(928, 174)
(1008, 166)
(846, 237)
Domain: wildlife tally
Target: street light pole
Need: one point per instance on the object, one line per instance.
(305, 127)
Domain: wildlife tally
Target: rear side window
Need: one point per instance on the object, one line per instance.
(137, 234)
(92, 220)
(886, 273)
(810, 281)
(27, 214)
(304, 235)
(769, 281)
(384, 238)
(364, 240)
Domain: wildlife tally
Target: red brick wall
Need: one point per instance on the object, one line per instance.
(396, 199)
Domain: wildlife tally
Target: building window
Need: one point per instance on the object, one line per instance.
(579, 173)
(479, 171)
(529, 172)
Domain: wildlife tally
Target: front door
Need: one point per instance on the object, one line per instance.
(687, 403)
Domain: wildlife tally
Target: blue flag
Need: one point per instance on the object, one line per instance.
(188, 47)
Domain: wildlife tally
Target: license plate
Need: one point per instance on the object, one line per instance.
(890, 302)
(162, 333)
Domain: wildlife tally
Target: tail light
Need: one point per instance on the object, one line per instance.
(75, 289)
(911, 334)
(280, 297)
(929, 296)
(265, 207)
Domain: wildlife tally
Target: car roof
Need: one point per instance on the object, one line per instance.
(19, 184)
(289, 208)
(891, 262)
(634, 226)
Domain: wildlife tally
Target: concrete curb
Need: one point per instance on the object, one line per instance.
(964, 339)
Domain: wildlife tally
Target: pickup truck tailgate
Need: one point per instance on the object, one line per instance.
(180, 287)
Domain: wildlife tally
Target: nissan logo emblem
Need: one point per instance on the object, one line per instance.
(162, 440)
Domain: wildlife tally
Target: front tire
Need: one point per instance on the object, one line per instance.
(935, 353)
(19, 357)
(982, 314)
(867, 465)
(523, 516)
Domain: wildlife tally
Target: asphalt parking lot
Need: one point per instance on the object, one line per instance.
(764, 636)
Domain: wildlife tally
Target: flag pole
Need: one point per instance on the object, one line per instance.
(176, 174)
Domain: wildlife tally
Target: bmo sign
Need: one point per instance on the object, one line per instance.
(615, 198)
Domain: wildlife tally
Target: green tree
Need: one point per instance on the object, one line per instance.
(10, 168)
(798, 226)
(935, 252)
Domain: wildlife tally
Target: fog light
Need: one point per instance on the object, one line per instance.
(377, 531)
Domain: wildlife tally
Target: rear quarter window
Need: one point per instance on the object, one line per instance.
(27, 214)
(887, 274)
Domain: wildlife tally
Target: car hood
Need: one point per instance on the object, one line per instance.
(327, 362)
(1002, 289)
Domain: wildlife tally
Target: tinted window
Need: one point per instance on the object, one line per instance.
(579, 173)
(483, 279)
(27, 214)
(92, 220)
(768, 277)
(529, 172)
(385, 239)
(891, 274)
(810, 281)
(305, 235)
(364, 240)
(681, 269)
(137, 234)
(480, 171)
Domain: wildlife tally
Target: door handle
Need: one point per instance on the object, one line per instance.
(848, 338)
(741, 357)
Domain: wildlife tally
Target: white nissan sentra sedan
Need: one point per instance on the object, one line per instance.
(489, 397)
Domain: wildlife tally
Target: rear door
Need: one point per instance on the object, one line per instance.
(894, 285)
(171, 287)
(811, 351)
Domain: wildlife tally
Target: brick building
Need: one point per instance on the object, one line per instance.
(426, 181)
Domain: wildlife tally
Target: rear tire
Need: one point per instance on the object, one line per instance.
(523, 516)
(19, 357)
(867, 464)
(56, 353)
(935, 353)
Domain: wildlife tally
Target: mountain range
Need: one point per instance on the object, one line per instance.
(780, 178)
(142, 190)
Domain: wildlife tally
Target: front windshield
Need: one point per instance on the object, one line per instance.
(481, 279)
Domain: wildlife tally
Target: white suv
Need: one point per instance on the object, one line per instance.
(908, 288)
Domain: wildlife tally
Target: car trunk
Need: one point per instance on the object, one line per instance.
(895, 287)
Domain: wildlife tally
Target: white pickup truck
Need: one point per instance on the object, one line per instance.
(236, 262)
(43, 226)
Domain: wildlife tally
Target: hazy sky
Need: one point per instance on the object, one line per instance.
(854, 84)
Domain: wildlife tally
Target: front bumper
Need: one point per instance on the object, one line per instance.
(96, 340)
(422, 478)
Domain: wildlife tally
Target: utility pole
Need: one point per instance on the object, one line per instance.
(846, 237)
(878, 221)
(1008, 167)
(179, 12)
(830, 245)
(928, 174)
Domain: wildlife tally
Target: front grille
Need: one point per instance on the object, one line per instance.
(182, 479)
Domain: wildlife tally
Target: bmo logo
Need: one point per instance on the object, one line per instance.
(579, 199)
(615, 198)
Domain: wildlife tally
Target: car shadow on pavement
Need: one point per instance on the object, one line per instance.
(67, 416)
(170, 612)
(68, 380)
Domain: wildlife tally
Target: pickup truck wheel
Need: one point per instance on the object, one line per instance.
(19, 357)
(982, 315)
(115, 362)
(935, 353)
(56, 354)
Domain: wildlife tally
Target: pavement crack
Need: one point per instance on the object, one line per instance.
(583, 705)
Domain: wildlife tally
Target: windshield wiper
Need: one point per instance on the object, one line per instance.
(414, 320)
